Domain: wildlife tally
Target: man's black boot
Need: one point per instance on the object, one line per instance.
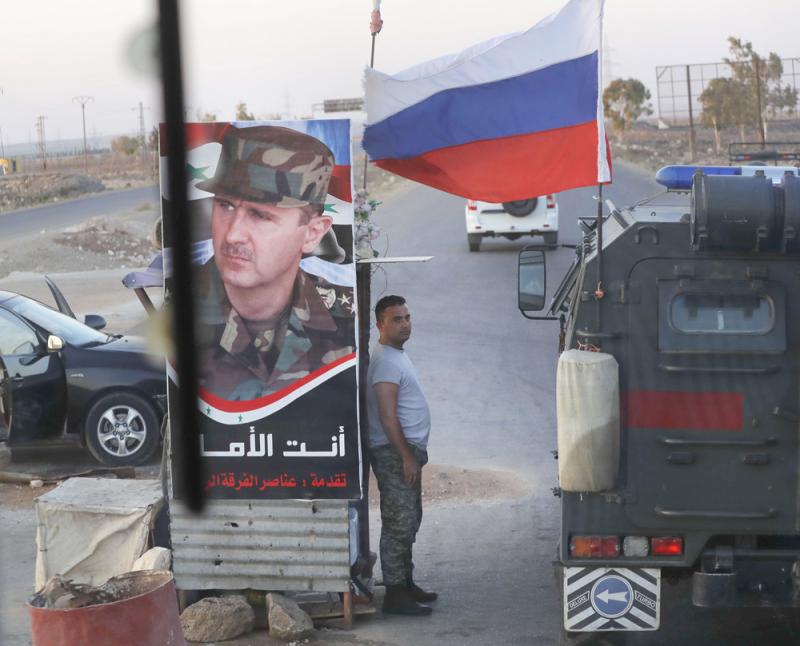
(418, 594)
(398, 601)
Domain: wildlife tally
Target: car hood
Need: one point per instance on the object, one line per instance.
(135, 344)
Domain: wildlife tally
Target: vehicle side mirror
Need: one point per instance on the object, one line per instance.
(532, 280)
(94, 321)
(54, 343)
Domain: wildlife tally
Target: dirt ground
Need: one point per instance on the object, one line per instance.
(651, 148)
(104, 242)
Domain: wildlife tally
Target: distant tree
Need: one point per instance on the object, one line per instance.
(242, 114)
(624, 101)
(206, 116)
(125, 144)
(760, 80)
(720, 101)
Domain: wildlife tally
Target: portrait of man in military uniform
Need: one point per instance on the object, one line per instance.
(264, 322)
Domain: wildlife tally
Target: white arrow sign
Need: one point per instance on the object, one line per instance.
(605, 596)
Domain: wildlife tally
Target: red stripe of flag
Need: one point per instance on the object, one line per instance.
(510, 168)
(694, 411)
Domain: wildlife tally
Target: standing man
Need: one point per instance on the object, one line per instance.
(399, 426)
(264, 323)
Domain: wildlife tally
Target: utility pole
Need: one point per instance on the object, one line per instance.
(83, 100)
(142, 133)
(692, 140)
(41, 143)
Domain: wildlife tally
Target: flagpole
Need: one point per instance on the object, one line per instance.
(364, 298)
(599, 293)
(371, 66)
(375, 25)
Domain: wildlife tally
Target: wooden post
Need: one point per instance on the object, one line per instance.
(347, 609)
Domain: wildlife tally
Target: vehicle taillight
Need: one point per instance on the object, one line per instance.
(472, 205)
(551, 201)
(591, 547)
(666, 546)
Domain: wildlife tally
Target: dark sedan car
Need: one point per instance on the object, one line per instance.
(64, 381)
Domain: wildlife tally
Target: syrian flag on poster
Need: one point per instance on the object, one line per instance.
(517, 116)
(204, 142)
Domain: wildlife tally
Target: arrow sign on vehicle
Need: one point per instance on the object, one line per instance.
(605, 596)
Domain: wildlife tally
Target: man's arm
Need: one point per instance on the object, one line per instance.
(386, 394)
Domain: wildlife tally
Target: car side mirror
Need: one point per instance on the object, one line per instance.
(94, 321)
(532, 280)
(54, 343)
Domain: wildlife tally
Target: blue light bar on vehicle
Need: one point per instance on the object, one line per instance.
(679, 178)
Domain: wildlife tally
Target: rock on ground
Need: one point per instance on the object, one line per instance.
(217, 618)
(286, 619)
(156, 558)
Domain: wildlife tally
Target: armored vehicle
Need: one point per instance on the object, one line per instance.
(677, 398)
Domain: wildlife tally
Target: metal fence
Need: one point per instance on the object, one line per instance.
(678, 89)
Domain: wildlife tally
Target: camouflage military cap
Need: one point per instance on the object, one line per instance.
(273, 165)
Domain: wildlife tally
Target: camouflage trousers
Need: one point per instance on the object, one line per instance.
(401, 512)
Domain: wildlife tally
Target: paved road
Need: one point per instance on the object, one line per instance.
(490, 376)
(15, 224)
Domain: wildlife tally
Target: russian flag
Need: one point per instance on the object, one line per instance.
(511, 118)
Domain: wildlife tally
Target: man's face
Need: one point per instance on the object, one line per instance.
(256, 244)
(395, 325)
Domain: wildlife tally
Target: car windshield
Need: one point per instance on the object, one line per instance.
(71, 331)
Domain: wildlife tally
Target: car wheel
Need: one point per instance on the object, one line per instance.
(474, 241)
(521, 208)
(551, 239)
(122, 429)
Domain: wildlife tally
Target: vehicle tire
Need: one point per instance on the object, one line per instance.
(474, 241)
(122, 429)
(551, 239)
(512, 236)
(521, 208)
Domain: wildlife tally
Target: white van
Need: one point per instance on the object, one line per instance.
(537, 216)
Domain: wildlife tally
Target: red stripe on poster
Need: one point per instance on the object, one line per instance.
(340, 183)
(254, 404)
(694, 411)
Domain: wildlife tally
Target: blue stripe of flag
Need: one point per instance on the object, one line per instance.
(557, 96)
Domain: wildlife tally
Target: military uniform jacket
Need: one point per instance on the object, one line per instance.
(242, 360)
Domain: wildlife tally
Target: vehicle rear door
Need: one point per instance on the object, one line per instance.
(35, 382)
(710, 393)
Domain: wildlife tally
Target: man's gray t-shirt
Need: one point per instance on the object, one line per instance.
(388, 364)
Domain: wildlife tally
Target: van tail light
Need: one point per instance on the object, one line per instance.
(590, 547)
(472, 205)
(666, 546)
(551, 201)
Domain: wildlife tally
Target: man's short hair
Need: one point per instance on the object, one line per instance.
(310, 211)
(385, 303)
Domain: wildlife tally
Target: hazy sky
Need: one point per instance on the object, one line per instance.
(279, 54)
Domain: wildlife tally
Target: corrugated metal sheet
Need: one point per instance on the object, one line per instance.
(262, 544)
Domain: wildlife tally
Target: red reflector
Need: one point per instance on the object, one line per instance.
(472, 206)
(551, 201)
(594, 547)
(666, 546)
